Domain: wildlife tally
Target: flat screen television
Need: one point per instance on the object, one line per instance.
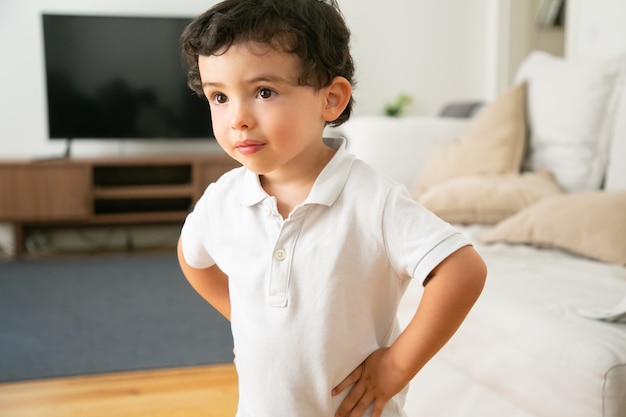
(111, 77)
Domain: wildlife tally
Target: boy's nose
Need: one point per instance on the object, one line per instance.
(240, 117)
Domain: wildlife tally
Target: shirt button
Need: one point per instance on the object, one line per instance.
(268, 211)
(280, 255)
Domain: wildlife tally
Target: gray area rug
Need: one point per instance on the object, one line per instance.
(62, 317)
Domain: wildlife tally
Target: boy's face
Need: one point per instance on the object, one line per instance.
(261, 117)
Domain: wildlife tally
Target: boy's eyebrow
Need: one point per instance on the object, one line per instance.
(258, 79)
(211, 84)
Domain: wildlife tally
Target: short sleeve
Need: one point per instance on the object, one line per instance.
(193, 234)
(416, 239)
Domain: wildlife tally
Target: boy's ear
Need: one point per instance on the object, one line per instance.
(337, 97)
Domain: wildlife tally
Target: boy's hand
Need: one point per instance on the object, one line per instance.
(375, 381)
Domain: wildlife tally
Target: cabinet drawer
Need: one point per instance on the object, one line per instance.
(40, 192)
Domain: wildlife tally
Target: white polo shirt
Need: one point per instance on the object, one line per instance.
(315, 294)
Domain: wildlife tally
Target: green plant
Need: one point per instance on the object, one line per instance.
(397, 107)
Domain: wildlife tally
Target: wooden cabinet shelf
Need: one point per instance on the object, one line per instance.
(137, 192)
(103, 191)
(141, 218)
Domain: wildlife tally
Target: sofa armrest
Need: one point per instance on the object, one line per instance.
(398, 147)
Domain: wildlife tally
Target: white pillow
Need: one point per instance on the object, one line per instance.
(616, 171)
(570, 117)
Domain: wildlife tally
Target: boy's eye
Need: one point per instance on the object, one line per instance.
(265, 93)
(219, 98)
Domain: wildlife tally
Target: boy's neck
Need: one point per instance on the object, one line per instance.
(291, 190)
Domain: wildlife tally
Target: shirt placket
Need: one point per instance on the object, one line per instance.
(282, 260)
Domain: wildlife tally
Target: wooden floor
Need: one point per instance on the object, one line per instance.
(208, 391)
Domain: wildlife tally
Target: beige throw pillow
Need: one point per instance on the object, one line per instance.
(493, 144)
(487, 199)
(589, 224)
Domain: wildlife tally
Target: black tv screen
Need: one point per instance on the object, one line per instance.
(119, 78)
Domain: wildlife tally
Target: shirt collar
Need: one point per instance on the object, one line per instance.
(327, 187)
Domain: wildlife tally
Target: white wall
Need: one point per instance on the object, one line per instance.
(595, 28)
(434, 50)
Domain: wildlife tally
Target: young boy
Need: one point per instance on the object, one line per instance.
(305, 249)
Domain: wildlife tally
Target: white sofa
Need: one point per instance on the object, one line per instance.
(546, 338)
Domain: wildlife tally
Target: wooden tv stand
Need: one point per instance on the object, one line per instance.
(71, 192)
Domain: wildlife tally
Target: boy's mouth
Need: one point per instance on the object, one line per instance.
(249, 147)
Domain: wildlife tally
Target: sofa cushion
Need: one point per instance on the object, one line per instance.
(590, 224)
(526, 324)
(492, 144)
(570, 116)
(487, 199)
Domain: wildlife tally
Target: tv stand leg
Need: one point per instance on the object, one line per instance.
(19, 240)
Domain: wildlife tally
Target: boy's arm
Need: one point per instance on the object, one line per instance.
(449, 294)
(211, 283)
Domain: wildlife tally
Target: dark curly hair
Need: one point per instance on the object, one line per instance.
(313, 30)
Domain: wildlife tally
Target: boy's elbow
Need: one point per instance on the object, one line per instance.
(478, 273)
(471, 272)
